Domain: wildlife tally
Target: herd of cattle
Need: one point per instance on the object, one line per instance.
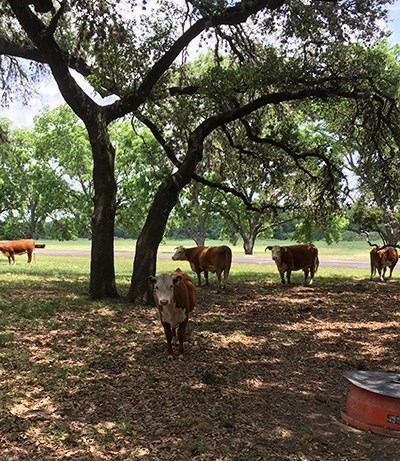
(175, 294)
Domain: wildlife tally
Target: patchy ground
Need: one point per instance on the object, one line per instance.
(262, 378)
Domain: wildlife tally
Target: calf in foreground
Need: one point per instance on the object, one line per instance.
(216, 259)
(295, 257)
(175, 296)
(381, 258)
(10, 248)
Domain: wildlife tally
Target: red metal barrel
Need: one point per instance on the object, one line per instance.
(373, 402)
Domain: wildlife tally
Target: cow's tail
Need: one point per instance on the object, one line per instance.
(228, 262)
(316, 263)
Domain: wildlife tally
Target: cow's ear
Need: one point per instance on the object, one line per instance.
(268, 248)
(284, 249)
(151, 280)
(177, 280)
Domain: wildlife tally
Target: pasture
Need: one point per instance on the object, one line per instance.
(262, 378)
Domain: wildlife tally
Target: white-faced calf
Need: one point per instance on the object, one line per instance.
(175, 296)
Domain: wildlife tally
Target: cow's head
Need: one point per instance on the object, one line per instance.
(276, 251)
(164, 287)
(179, 254)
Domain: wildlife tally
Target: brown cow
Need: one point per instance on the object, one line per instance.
(216, 259)
(295, 257)
(175, 296)
(10, 248)
(381, 258)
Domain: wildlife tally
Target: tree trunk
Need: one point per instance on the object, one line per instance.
(149, 240)
(248, 244)
(102, 272)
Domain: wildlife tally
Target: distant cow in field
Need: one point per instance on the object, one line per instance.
(381, 258)
(10, 248)
(295, 257)
(216, 259)
(175, 296)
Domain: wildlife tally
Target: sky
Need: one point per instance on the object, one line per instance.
(49, 95)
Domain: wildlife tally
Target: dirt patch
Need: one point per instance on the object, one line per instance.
(263, 378)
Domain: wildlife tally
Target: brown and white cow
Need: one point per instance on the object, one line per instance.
(295, 257)
(175, 296)
(10, 248)
(215, 259)
(381, 258)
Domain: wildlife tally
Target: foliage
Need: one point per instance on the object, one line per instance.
(331, 230)
(57, 149)
(32, 190)
(139, 167)
(369, 130)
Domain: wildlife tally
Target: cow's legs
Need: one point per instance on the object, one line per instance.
(391, 271)
(198, 278)
(29, 257)
(380, 275)
(312, 272)
(11, 257)
(174, 341)
(169, 335)
(206, 277)
(306, 272)
(282, 277)
(225, 278)
(288, 274)
(182, 337)
(373, 272)
(218, 273)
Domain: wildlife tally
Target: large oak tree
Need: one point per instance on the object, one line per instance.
(133, 55)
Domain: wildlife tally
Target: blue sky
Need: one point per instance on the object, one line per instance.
(50, 96)
(394, 22)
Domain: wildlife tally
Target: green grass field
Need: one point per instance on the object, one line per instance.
(69, 275)
(350, 250)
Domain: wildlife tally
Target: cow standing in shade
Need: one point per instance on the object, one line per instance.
(216, 259)
(295, 257)
(382, 258)
(175, 296)
(10, 248)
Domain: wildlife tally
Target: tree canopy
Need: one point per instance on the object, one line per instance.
(265, 53)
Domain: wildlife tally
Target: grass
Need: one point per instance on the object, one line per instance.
(61, 271)
(55, 284)
(52, 284)
(349, 250)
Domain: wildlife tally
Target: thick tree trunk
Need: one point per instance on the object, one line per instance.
(248, 244)
(149, 240)
(102, 272)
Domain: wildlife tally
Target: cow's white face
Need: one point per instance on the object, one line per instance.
(276, 253)
(164, 288)
(179, 254)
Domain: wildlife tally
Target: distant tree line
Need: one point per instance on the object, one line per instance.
(46, 191)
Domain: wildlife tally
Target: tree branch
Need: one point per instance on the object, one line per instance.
(231, 16)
